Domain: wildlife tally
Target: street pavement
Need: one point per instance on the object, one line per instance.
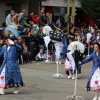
(40, 85)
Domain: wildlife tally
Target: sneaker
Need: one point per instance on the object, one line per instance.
(16, 91)
(95, 98)
(1, 92)
(70, 76)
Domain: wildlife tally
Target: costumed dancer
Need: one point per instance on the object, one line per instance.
(93, 83)
(10, 75)
(71, 68)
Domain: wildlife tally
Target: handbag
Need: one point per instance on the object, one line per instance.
(56, 35)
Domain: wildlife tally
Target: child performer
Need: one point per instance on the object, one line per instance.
(93, 83)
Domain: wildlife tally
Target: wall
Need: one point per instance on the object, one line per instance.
(2, 13)
(34, 6)
(24, 6)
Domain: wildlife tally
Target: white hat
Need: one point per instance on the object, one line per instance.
(10, 42)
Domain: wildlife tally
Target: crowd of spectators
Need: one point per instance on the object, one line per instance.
(32, 26)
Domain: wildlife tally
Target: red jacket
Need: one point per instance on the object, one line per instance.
(35, 20)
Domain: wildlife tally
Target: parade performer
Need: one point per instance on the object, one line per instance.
(93, 83)
(10, 75)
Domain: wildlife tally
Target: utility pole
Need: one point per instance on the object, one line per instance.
(73, 12)
(68, 13)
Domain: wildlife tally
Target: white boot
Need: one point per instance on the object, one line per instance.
(1, 91)
(73, 77)
(96, 96)
(16, 91)
(99, 96)
(70, 75)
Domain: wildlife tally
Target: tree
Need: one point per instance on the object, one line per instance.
(91, 7)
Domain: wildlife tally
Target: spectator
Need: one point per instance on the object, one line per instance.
(43, 10)
(32, 31)
(21, 16)
(20, 27)
(40, 36)
(46, 19)
(25, 22)
(30, 17)
(25, 55)
(40, 56)
(10, 21)
(35, 19)
(41, 19)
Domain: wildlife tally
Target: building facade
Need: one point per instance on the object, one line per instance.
(17, 5)
(59, 7)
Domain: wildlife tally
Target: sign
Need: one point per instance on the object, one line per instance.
(59, 3)
(8, 8)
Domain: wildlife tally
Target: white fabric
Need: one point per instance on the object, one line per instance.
(2, 79)
(89, 35)
(71, 59)
(8, 48)
(47, 40)
(10, 42)
(46, 30)
(58, 46)
(98, 37)
(76, 45)
(95, 80)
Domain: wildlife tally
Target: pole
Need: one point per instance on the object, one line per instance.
(73, 12)
(68, 13)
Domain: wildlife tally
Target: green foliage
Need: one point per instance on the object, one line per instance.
(91, 7)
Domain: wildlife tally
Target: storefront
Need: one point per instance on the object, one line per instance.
(59, 7)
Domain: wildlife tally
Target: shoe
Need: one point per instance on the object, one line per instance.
(70, 76)
(95, 98)
(59, 62)
(16, 91)
(1, 92)
(98, 98)
(56, 62)
(73, 78)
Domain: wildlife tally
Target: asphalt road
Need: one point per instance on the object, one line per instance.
(40, 85)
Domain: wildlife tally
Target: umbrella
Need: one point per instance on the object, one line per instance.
(13, 31)
(0, 29)
(76, 46)
(46, 30)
